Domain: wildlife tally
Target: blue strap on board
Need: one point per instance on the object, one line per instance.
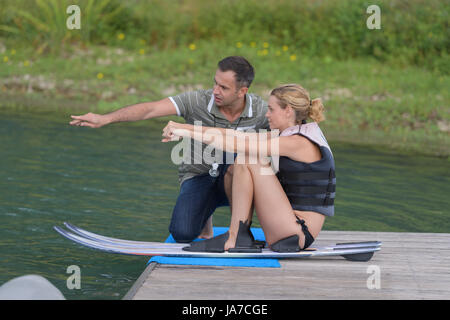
(223, 262)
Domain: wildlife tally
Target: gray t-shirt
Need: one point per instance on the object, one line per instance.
(199, 105)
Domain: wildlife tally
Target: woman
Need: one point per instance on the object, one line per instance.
(292, 205)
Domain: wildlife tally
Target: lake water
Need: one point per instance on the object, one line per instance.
(119, 181)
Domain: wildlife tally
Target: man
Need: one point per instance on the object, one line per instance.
(227, 105)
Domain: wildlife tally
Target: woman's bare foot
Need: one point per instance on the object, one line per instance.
(231, 243)
(207, 232)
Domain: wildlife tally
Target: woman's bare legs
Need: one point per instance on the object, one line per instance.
(272, 206)
(242, 195)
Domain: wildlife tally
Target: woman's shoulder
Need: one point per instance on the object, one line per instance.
(313, 132)
(299, 148)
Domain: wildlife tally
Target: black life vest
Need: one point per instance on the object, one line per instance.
(309, 186)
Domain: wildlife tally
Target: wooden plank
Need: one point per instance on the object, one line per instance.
(411, 265)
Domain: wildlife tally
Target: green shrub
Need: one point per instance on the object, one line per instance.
(412, 32)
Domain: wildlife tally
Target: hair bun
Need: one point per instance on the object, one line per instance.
(316, 110)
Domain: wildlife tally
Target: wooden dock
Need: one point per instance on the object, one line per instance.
(409, 266)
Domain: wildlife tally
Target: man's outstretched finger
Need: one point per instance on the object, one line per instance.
(78, 117)
(77, 120)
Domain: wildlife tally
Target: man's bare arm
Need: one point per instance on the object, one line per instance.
(136, 112)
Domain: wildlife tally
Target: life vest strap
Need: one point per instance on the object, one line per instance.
(301, 201)
(299, 189)
(295, 176)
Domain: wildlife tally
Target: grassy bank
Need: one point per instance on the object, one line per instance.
(366, 101)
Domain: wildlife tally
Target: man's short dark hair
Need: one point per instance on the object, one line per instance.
(243, 69)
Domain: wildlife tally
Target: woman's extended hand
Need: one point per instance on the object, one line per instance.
(173, 131)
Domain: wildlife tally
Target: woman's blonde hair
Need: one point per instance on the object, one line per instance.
(298, 98)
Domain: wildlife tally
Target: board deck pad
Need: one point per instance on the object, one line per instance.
(359, 251)
(258, 234)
